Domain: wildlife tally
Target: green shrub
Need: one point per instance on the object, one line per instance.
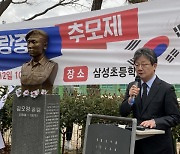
(75, 107)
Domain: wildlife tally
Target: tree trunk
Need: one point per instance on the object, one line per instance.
(4, 5)
(96, 5)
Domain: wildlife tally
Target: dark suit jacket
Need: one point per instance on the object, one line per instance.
(162, 106)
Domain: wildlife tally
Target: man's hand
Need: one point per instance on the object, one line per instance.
(134, 91)
(149, 123)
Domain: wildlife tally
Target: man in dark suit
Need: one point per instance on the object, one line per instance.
(155, 105)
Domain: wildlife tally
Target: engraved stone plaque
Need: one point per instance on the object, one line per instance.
(35, 126)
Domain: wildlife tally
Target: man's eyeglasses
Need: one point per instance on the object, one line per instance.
(142, 65)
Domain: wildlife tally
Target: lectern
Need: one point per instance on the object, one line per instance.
(111, 138)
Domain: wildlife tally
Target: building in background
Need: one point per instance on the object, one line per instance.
(111, 89)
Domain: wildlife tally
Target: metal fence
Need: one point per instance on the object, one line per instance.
(74, 145)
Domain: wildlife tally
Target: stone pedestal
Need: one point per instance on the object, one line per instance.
(35, 126)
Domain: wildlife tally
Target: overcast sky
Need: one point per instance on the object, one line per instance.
(16, 13)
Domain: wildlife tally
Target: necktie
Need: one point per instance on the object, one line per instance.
(144, 94)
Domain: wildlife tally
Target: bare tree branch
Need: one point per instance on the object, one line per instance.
(136, 1)
(60, 3)
(4, 5)
(21, 2)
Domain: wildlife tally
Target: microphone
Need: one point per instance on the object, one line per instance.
(136, 83)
